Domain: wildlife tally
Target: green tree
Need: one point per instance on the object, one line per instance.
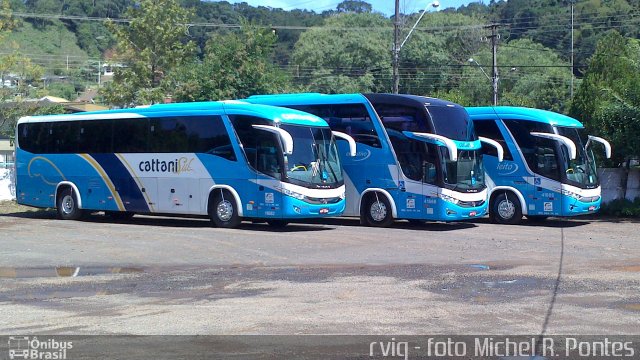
(608, 99)
(356, 6)
(150, 46)
(439, 41)
(530, 75)
(350, 53)
(13, 62)
(235, 65)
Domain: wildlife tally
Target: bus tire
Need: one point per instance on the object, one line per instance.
(277, 224)
(505, 209)
(120, 215)
(222, 209)
(67, 204)
(376, 211)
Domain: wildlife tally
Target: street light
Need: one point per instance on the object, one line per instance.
(494, 80)
(396, 39)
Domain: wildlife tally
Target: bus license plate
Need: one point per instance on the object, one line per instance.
(592, 208)
(473, 213)
(324, 211)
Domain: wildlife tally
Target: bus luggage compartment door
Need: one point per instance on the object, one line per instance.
(175, 194)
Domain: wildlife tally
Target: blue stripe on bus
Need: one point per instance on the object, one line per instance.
(124, 183)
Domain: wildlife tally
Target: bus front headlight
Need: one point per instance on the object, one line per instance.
(293, 194)
(571, 194)
(449, 198)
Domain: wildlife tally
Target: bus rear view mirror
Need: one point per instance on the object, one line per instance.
(285, 137)
(496, 145)
(350, 140)
(435, 139)
(607, 146)
(564, 140)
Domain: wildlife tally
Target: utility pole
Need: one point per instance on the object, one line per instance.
(573, 2)
(396, 48)
(494, 73)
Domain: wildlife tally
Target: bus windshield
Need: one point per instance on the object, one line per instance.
(466, 174)
(314, 161)
(580, 171)
(452, 122)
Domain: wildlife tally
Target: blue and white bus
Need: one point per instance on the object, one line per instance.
(548, 168)
(417, 158)
(229, 161)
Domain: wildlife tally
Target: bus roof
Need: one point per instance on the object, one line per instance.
(307, 98)
(277, 114)
(318, 98)
(523, 113)
(409, 100)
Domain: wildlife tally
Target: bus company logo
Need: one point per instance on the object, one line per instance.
(177, 166)
(361, 155)
(24, 347)
(507, 168)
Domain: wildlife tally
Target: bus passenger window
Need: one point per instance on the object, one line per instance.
(130, 136)
(539, 153)
(351, 119)
(489, 129)
(261, 148)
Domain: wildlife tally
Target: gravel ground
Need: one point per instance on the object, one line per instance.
(158, 275)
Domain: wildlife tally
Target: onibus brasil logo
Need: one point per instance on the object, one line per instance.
(25, 347)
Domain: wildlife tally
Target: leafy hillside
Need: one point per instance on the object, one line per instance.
(48, 45)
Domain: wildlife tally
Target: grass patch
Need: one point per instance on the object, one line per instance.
(12, 207)
(622, 208)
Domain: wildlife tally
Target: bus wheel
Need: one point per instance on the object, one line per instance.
(377, 211)
(120, 215)
(277, 224)
(222, 209)
(505, 209)
(67, 205)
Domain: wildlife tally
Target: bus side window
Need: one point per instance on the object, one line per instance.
(261, 148)
(130, 136)
(34, 137)
(351, 119)
(539, 153)
(64, 137)
(207, 134)
(95, 136)
(489, 129)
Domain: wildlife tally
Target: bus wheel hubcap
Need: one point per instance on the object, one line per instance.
(224, 210)
(506, 209)
(68, 204)
(378, 211)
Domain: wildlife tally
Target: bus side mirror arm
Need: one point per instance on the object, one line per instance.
(564, 140)
(435, 139)
(287, 139)
(607, 146)
(350, 140)
(496, 145)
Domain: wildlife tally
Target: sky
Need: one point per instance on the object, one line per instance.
(384, 6)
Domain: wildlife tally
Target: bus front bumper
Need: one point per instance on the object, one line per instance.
(298, 209)
(577, 207)
(443, 210)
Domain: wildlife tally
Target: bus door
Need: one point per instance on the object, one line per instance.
(265, 155)
(542, 156)
(417, 155)
(410, 174)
